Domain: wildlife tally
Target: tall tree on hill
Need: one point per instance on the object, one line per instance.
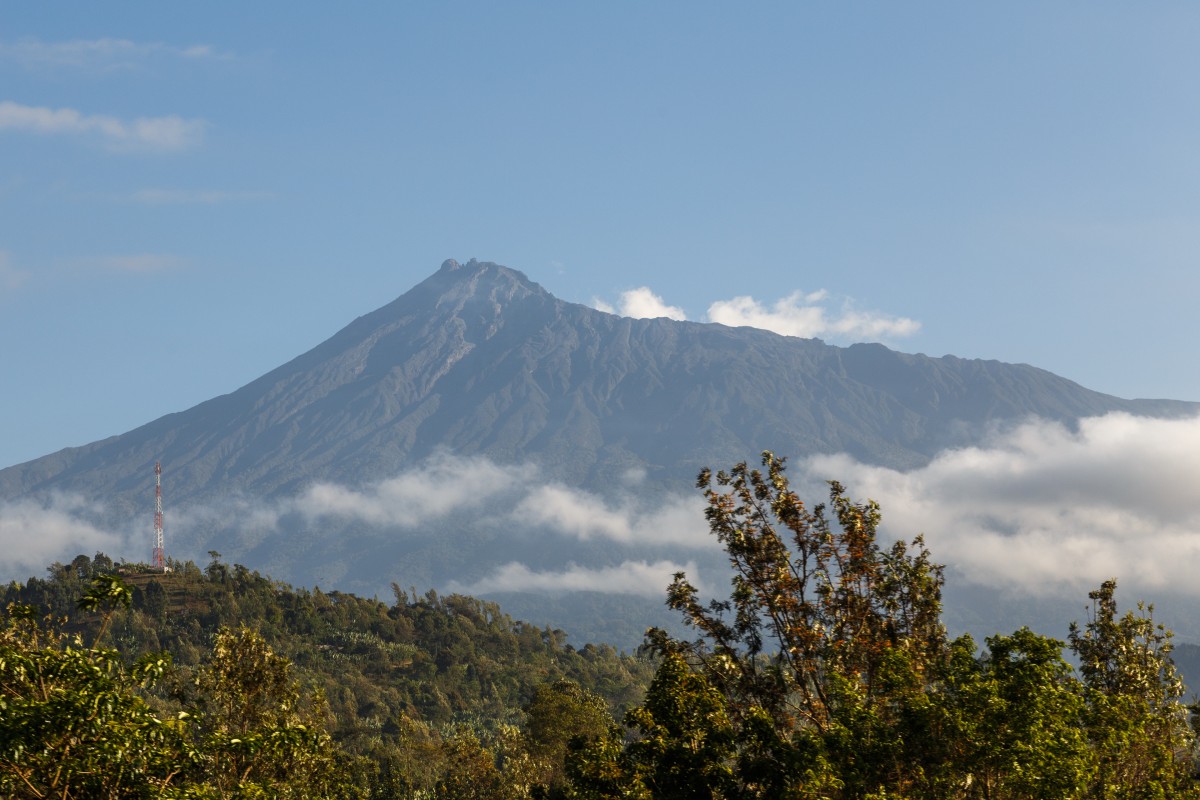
(1135, 715)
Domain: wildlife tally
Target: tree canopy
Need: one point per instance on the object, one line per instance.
(827, 673)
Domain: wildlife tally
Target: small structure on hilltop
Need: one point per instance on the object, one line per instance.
(158, 560)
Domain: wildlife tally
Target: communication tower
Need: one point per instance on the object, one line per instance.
(158, 561)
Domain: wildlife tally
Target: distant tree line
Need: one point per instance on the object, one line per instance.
(827, 673)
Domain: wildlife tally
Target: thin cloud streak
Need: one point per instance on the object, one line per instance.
(11, 278)
(102, 54)
(172, 197)
(156, 134)
(137, 263)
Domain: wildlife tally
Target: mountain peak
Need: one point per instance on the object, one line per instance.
(456, 283)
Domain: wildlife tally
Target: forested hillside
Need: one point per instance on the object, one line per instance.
(826, 673)
(412, 688)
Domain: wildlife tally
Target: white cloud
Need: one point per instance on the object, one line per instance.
(641, 303)
(441, 486)
(577, 514)
(97, 54)
(1044, 509)
(32, 534)
(161, 134)
(801, 314)
(446, 485)
(631, 577)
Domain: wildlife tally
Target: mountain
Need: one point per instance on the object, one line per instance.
(477, 360)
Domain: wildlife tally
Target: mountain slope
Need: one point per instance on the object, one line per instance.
(477, 360)
(480, 360)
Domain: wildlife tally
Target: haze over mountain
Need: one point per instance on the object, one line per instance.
(427, 442)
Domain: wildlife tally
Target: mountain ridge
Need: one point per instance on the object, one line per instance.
(477, 358)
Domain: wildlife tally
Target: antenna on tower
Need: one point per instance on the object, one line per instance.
(158, 561)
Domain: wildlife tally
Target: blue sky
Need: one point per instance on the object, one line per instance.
(192, 195)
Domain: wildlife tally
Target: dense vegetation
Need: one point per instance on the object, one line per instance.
(415, 694)
(827, 673)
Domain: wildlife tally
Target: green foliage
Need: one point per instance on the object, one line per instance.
(72, 723)
(75, 721)
(250, 732)
(560, 715)
(827, 674)
(1135, 717)
(401, 683)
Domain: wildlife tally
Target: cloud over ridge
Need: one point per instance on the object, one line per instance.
(799, 314)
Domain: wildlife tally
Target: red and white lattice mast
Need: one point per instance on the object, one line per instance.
(158, 561)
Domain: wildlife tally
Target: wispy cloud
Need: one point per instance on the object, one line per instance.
(11, 278)
(141, 263)
(98, 54)
(34, 534)
(158, 134)
(1044, 508)
(804, 315)
(641, 303)
(799, 314)
(170, 197)
(639, 578)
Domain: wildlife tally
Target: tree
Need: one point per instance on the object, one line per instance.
(560, 714)
(1019, 730)
(76, 721)
(828, 674)
(252, 731)
(72, 724)
(827, 637)
(1135, 715)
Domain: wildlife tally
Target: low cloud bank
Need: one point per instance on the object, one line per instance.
(35, 534)
(1038, 508)
(800, 314)
(1045, 509)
